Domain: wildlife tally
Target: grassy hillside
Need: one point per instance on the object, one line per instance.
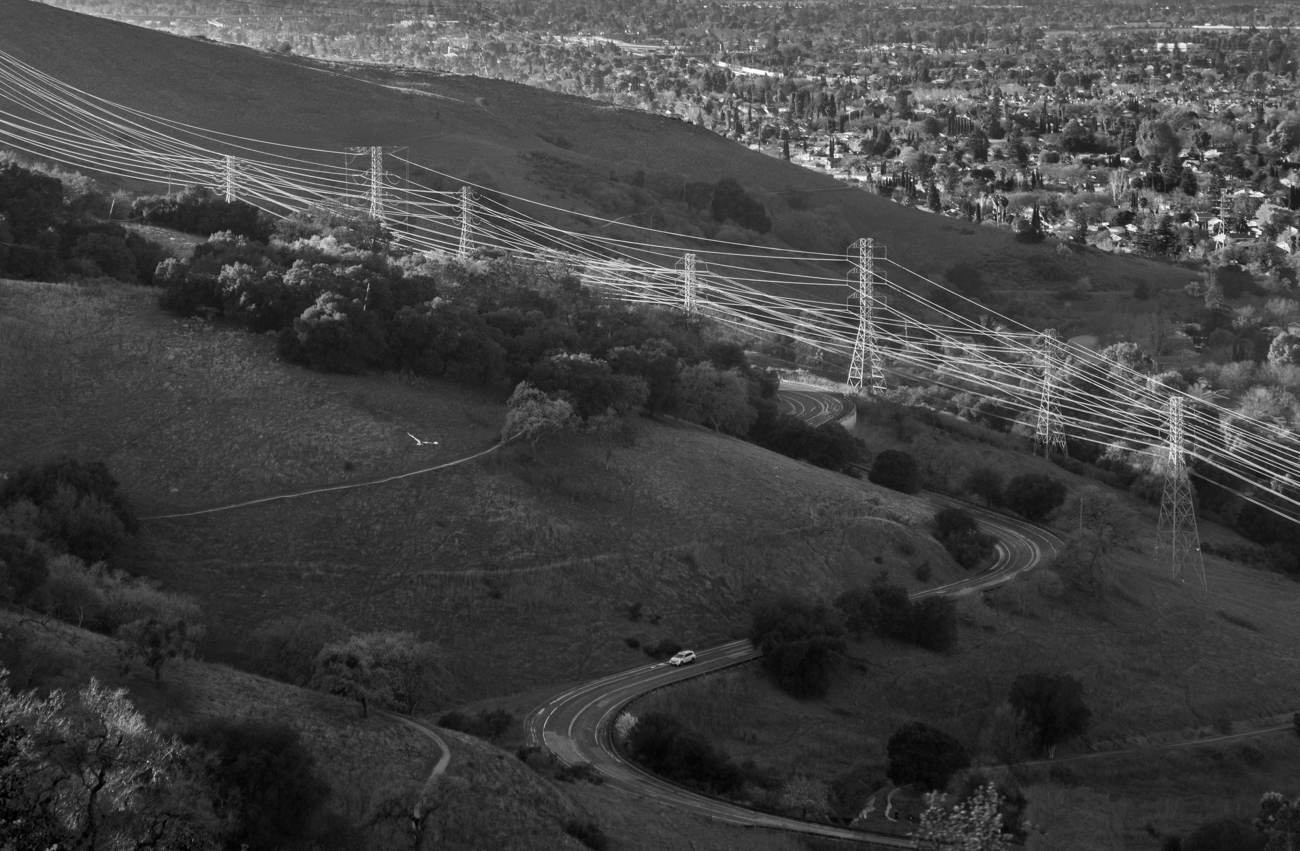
(377, 767)
(522, 567)
(540, 145)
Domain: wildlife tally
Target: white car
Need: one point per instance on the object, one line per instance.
(682, 658)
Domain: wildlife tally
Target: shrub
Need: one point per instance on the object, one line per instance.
(827, 445)
(23, 568)
(487, 724)
(885, 608)
(1225, 835)
(896, 470)
(800, 642)
(1052, 705)
(665, 746)
(924, 756)
(286, 648)
(588, 833)
(985, 483)
(199, 210)
(265, 781)
(80, 508)
(859, 609)
(665, 649)
(1034, 496)
(957, 530)
(632, 641)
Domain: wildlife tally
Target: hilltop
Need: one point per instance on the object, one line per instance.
(575, 153)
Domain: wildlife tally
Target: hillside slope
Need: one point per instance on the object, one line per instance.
(492, 130)
(522, 567)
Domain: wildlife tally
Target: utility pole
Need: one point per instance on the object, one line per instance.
(867, 366)
(691, 286)
(466, 221)
(1177, 538)
(1050, 433)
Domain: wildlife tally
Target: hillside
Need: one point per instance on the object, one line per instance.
(497, 133)
(521, 567)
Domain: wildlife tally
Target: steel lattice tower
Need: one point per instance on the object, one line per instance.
(1050, 432)
(377, 183)
(867, 366)
(690, 284)
(1177, 538)
(228, 179)
(466, 221)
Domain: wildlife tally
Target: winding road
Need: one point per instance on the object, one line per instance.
(575, 724)
(810, 403)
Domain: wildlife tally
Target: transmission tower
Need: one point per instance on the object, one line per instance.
(1177, 538)
(1050, 432)
(691, 286)
(867, 366)
(229, 178)
(375, 180)
(466, 222)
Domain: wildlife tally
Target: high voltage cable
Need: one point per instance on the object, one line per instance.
(1000, 360)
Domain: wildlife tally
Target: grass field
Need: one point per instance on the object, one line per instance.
(522, 567)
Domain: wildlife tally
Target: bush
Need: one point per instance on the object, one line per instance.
(667, 747)
(957, 530)
(588, 833)
(924, 756)
(199, 210)
(265, 782)
(487, 724)
(665, 649)
(80, 510)
(286, 648)
(1034, 496)
(23, 568)
(1225, 835)
(896, 470)
(800, 643)
(885, 609)
(1052, 705)
(985, 483)
(827, 445)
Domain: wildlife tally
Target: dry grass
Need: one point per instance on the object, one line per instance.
(509, 552)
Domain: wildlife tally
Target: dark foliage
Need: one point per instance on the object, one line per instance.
(985, 483)
(1034, 496)
(1225, 835)
(962, 537)
(886, 610)
(488, 724)
(924, 756)
(588, 833)
(80, 508)
(800, 642)
(1052, 705)
(730, 201)
(201, 211)
(826, 445)
(667, 747)
(896, 470)
(46, 232)
(665, 649)
(22, 568)
(265, 780)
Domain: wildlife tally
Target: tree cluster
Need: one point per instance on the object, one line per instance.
(52, 226)
(962, 537)
(886, 610)
(800, 643)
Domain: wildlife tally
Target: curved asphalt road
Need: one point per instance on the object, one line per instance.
(810, 403)
(575, 725)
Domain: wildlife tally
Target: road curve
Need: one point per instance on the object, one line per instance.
(810, 403)
(575, 724)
